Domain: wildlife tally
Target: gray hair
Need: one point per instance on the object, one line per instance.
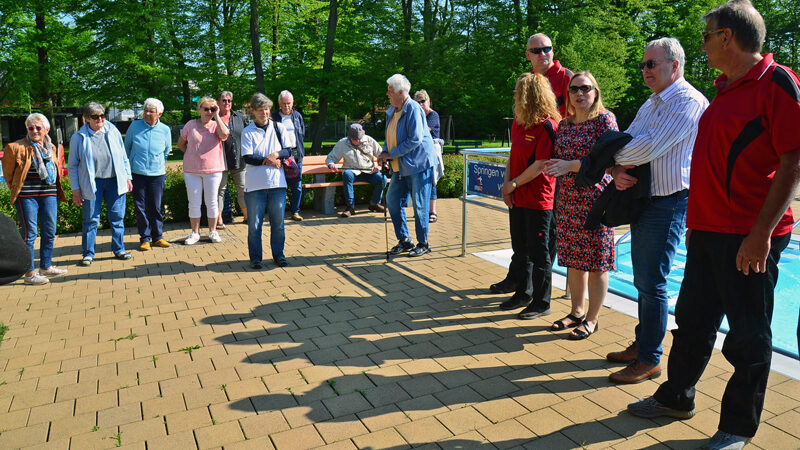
(259, 100)
(93, 108)
(226, 94)
(743, 20)
(533, 36)
(37, 117)
(154, 103)
(399, 82)
(284, 93)
(672, 51)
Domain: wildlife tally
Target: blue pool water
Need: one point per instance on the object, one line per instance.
(787, 292)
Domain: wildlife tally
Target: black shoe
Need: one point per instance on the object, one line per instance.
(532, 313)
(402, 246)
(123, 256)
(281, 262)
(516, 301)
(420, 250)
(506, 286)
(255, 265)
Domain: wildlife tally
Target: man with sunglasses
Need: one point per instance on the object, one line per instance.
(745, 171)
(540, 53)
(664, 133)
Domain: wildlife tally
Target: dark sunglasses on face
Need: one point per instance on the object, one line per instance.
(585, 89)
(708, 33)
(537, 50)
(225, 100)
(97, 116)
(421, 101)
(649, 64)
(211, 110)
(35, 127)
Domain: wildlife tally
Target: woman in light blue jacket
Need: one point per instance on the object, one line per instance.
(98, 170)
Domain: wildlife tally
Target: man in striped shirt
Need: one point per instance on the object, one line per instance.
(664, 132)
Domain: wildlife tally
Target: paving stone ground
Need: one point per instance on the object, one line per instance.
(187, 347)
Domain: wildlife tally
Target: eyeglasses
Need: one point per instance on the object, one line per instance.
(421, 101)
(649, 64)
(585, 89)
(226, 100)
(35, 127)
(707, 33)
(537, 50)
(211, 110)
(97, 116)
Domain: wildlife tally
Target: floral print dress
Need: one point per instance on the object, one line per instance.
(586, 250)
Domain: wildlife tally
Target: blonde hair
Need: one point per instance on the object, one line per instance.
(206, 102)
(596, 108)
(534, 100)
(422, 94)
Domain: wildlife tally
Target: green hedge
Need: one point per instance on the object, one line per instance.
(176, 204)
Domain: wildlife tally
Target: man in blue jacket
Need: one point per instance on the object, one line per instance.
(293, 122)
(410, 147)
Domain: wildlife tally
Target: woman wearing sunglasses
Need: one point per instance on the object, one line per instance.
(31, 169)
(587, 254)
(99, 170)
(203, 166)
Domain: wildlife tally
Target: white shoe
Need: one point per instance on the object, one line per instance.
(192, 239)
(214, 236)
(36, 279)
(53, 272)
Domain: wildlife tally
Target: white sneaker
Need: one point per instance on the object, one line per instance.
(52, 272)
(36, 279)
(192, 239)
(214, 236)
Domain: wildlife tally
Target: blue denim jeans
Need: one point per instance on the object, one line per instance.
(419, 186)
(654, 241)
(43, 210)
(147, 193)
(115, 206)
(295, 188)
(378, 180)
(272, 202)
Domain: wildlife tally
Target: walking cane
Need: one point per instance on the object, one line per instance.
(387, 172)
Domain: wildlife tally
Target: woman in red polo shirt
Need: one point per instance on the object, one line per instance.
(529, 194)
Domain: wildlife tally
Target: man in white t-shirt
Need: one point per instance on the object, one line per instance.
(296, 130)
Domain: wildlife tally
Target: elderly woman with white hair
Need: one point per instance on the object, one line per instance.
(99, 170)
(410, 147)
(31, 170)
(148, 143)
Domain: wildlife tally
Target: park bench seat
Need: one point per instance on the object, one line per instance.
(324, 191)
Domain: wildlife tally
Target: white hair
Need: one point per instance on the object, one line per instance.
(37, 117)
(672, 50)
(284, 93)
(399, 82)
(154, 103)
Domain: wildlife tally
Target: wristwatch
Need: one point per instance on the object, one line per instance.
(514, 183)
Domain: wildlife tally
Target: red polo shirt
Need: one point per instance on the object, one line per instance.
(741, 137)
(538, 193)
(559, 77)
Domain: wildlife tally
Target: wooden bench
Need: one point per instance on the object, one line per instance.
(324, 191)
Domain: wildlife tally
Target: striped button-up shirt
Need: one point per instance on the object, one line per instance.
(663, 133)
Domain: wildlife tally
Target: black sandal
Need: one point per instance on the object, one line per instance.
(577, 334)
(559, 325)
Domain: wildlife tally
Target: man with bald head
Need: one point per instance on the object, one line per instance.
(540, 53)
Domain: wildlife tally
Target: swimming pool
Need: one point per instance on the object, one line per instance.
(787, 291)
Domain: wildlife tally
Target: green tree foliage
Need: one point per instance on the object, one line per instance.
(466, 53)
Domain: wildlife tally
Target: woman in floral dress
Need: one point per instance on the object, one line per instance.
(588, 254)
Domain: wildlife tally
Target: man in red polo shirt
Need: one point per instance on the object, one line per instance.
(745, 171)
(540, 53)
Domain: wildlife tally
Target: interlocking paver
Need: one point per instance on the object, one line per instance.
(329, 352)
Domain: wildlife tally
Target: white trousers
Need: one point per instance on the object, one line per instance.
(199, 187)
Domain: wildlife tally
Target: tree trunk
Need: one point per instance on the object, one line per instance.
(255, 45)
(405, 44)
(532, 16)
(318, 124)
(185, 90)
(275, 22)
(42, 95)
(518, 21)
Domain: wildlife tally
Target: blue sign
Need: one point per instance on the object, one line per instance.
(485, 178)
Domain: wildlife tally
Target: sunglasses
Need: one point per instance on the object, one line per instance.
(708, 33)
(225, 100)
(585, 89)
(211, 110)
(537, 50)
(649, 64)
(421, 101)
(97, 116)
(35, 127)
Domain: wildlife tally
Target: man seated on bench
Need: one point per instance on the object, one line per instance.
(359, 153)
